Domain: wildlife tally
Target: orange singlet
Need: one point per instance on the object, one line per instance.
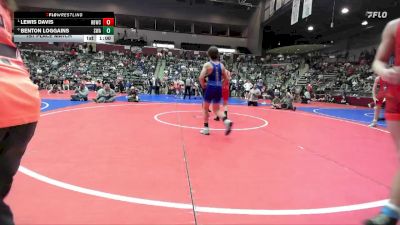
(382, 86)
(19, 97)
(225, 87)
(393, 90)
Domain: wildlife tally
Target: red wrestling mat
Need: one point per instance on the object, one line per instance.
(124, 164)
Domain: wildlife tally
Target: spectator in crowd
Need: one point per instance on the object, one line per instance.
(133, 95)
(146, 86)
(171, 88)
(112, 85)
(326, 98)
(120, 85)
(247, 87)
(152, 85)
(81, 93)
(181, 87)
(233, 87)
(165, 85)
(177, 88)
(309, 88)
(55, 88)
(128, 86)
(105, 95)
(287, 102)
(188, 87)
(157, 86)
(99, 85)
(277, 92)
(306, 97)
(197, 91)
(254, 95)
(260, 84)
(276, 103)
(66, 85)
(343, 100)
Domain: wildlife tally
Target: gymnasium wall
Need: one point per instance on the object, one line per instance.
(255, 30)
(178, 38)
(356, 43)
(151, 8)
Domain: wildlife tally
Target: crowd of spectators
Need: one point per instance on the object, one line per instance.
(341, 78)
(65, 70)
(135, 73)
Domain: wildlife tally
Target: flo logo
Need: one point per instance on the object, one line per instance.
(377, 14)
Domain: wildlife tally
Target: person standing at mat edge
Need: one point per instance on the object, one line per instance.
(215, 72)
(188, 87)
(19, 108)
(390, 213)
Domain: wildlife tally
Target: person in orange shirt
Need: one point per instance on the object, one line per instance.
(66, 84)
(19, 108)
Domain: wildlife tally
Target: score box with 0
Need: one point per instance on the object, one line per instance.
(108, 22)
(104, 30)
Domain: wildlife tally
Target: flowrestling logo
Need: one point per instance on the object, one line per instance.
(376, 14)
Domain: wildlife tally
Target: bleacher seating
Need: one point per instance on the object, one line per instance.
(332, 78)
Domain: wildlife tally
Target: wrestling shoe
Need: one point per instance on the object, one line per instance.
(228, 126)
(205, 131)
(373, 124)
(381, 219)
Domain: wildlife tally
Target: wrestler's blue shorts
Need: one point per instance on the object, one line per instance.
(213, 94)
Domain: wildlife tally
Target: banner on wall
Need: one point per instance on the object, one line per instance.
(307, 8)
(272, 7)
(278, 4)
(295, 12)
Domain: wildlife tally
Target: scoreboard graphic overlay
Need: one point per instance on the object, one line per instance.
(96, 27)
